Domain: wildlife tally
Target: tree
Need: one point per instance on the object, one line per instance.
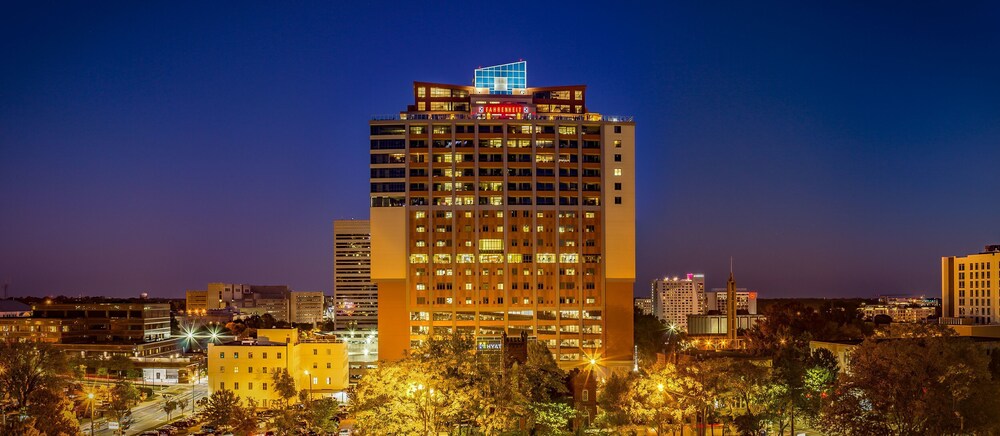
(52, 413)
(664, 398)
(286, 423)
(546, 381)
(914, 386)
(181, 405)
(552, 418)
(748, 394)
(222, 408)
(322, 414)
(649, 335)
(378, 401)
(244, 418)
(120, 365)
(123, 396)
(612, 397)
(29, 367)
(169, 407)
(284, 385)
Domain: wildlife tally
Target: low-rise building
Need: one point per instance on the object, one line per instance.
(14, 309)
(699, 325)
(316, 364)
(119, 323)
(746, 301)
(899, 313)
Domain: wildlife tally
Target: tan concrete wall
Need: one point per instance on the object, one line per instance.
(619, 219)
(618, 340)
(393, 320)
(388, 242)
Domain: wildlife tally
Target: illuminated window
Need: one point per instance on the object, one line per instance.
(515, 258)
(442, 258)
(490, 258)
(420, 214)
(445, 92)
(569, 258)
(545, 258)
(421, 229)
(491, 245)
(418, 258)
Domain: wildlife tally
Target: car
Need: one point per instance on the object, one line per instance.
(344, 432)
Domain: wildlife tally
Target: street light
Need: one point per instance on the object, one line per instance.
(310, 385)
(91, 397)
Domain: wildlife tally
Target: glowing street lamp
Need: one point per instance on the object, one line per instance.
(90, 396)
(310, 385)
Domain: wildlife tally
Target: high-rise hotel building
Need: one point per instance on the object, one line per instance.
(498, 208)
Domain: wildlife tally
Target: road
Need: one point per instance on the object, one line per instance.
(149, 414)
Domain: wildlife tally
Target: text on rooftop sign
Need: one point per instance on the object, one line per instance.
(505, 109)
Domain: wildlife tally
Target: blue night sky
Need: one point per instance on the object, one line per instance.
(832, 148)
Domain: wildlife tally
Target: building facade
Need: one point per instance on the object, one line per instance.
(247, 299)
(501, 208)
(899, 312)
(124, 323)
(746, 301)
(306, 307)
(644, 305)
(317, 365)
(676, 298)
(970, 291)
(355, 296)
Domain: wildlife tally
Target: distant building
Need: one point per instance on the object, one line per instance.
(128, 323)
(644, 305)
(317, 365)
(23, 329)
(903, 309)
(355, 296)
(675, 298)
(102, 330)
(14, 309)
(969, 289)
(306, 307)
(248, 299)
(718, 324)
(746, 301)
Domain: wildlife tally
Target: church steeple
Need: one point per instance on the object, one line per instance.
(731, 306)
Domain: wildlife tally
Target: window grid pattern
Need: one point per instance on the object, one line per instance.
(502, 79)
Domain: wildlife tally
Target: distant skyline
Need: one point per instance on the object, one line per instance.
(833, 150)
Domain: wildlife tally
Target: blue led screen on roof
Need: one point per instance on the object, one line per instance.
(502, 79)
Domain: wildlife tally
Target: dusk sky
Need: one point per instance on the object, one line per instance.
(832, 148)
